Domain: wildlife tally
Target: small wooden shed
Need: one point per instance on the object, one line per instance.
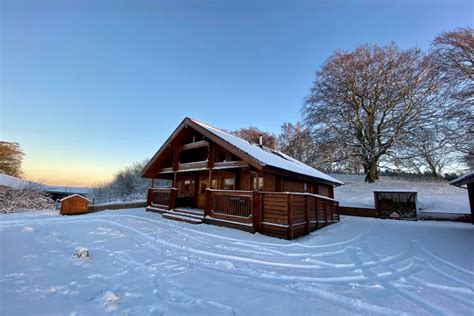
(74, 204)
(403, 203)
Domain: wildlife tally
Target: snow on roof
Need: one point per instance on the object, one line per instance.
(267, 156)
(14, 182)
(465, 179)
(74, 195)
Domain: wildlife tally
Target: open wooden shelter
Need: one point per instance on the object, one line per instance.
(467, 182)
(221, 179)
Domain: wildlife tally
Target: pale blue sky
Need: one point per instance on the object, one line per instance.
(88, 87)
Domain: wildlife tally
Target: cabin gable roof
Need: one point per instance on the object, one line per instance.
(257, 156)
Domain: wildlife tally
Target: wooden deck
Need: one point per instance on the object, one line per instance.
(279, 214)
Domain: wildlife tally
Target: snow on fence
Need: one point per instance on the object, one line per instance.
(116, 206)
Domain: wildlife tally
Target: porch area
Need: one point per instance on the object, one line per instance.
(285, 215)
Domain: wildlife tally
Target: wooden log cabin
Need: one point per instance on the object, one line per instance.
(218, 178)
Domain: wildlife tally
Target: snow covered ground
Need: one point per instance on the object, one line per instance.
(142, 264)
(439, 197)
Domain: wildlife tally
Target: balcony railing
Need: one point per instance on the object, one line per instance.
(164, 198)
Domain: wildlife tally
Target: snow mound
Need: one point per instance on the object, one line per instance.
(27, 229)
(82, 253)
(110, 300)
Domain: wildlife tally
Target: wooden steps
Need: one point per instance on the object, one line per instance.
(190, 216)
(183, 217)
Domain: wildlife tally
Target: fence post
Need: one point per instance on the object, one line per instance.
(306, 215)
(290, 217)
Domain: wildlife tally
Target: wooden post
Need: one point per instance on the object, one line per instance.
(173, 197)
(316, 212)
(290, 217)
(306, 215)
(470, 192)
(152, 182)
(338, 212)
(325, 213)
(149, 197)
(207, 208)
(256, 220)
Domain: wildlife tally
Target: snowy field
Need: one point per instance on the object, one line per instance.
(142, 264)
(440, 197)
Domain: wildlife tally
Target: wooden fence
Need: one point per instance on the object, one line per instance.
(358, 211)
(116, 206)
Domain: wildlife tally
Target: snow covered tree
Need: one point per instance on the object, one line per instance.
(26, 198)
(11, 157)
(366, 100)
(127, 185)
(252, 134)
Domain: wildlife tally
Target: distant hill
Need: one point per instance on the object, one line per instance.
(17, 183)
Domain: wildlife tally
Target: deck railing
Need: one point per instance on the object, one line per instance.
(164, 198)
(237, 205)
(282, 214)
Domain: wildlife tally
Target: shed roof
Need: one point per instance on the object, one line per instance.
(74, 195)
(261, 155)
(464, 180)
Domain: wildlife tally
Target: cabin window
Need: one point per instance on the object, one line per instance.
(192, 155)
(260, 183)
(305, 188)
(214, 184)
(229, 183)
(221, 157)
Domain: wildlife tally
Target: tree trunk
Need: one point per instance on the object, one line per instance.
(372, 173)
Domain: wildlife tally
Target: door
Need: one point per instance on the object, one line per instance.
(201, 197)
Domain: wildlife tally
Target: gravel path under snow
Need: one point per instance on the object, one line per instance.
(142, 264)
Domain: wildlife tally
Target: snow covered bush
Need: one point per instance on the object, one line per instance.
(25, 199)
(82, 253)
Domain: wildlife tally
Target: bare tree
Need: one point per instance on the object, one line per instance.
(252, 134)
(11, 158)
(453, 55)
(366, 100)
(295, 140)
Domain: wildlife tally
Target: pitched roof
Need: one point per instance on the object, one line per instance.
(464, 180)
(74, 195)
(267, 156)
(261, 155)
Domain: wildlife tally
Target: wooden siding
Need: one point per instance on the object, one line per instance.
(293, 186)
(269, 182)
